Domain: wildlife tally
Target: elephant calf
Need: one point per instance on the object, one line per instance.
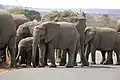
(25, 50)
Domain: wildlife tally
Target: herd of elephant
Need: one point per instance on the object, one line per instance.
(34, 43)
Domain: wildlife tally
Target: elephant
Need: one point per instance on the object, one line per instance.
(103, 39)
(58, 35)
(25, 51)
(25, 30)
(19, 19)
(116, 50)
(7, 35)
(80, 23)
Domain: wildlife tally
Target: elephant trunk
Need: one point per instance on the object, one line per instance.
(17, 57)
(34, 48)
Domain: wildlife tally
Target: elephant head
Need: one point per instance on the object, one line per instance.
(47, 31)
(90, 33)
(21, 49)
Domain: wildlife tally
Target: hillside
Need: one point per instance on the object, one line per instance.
(92, 11)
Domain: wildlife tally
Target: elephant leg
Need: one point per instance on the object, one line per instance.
(41, 55)
(23, 60)
(118, 58)
(93, 50)
(75, 57)
(103, 56)
(11, 47)
(2, 58)
(29, 59)
(70, 59)
(51, 51)
(58, 55)
(63, 58)
(109, 59)
(37, 57)
(87, 51)
(46, 55)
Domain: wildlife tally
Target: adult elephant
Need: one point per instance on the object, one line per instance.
(116, 50)
(7, 34)
(19, 19)
(25, 30)
(58, 35)
(102, 39)
(80, 23)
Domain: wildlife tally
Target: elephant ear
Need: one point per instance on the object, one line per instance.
(90, 33)
(52, 30)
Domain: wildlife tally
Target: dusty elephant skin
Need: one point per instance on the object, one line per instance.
(80, 23)
(116, 50)
(102, 39)
(58, 35)
(19, 19)
(7, 34)
(25, 50)
(25, 30)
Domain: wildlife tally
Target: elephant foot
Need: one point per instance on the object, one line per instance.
(28, 66)
(75, 64)
(13, 66)
(118, 63)
(107, 62)
(40, 66)
(93, 62)
(23, 65)
(52, 66)
(62, 64)
(84, 63)
(101, 62)
(69, 66)
(46, 64)
(34, 66)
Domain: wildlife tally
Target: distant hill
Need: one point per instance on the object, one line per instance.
(92, 11)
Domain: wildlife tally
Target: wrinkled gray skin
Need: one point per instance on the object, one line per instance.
(102, 39)
(19, 19)
(116, 50)
(25, 30)
(7, 35)
(58, 35)
(80, 23)
(25, 51)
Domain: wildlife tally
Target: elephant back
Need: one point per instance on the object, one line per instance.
(7, 26)
(19, 19)
(27, 28)
(107, 38)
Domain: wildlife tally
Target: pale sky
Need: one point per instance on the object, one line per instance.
(104, 4)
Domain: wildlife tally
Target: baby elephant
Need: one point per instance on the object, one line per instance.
(25, 50)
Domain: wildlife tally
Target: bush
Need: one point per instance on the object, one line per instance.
(30, 14)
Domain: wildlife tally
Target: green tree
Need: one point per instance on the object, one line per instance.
(30, 14)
